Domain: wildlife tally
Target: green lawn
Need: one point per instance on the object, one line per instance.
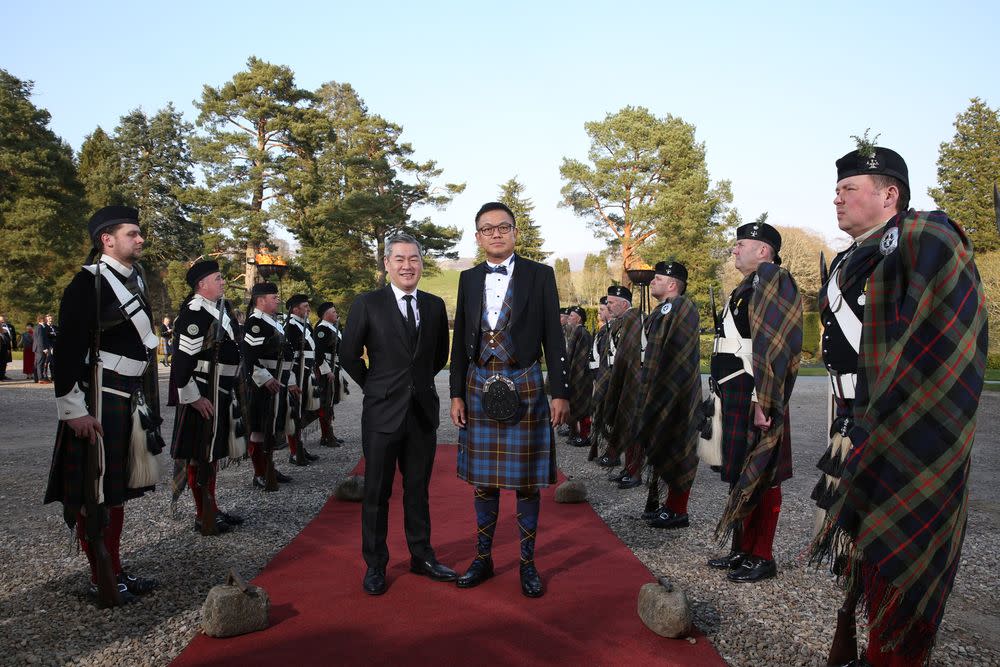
(444, 285)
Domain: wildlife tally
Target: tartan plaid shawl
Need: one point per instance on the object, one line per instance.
(621, 400)
(581, 380)
(671, 394)
(602, 377)
(904, 497)
(776, 331)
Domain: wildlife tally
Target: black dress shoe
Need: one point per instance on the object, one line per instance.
(295, 462)
(374, 581)
(652, 514)
(327, 442)
(531, 583)
(339, 441)
(282, 477)
(754, 569)
(580, 442)
(309, 457)
(629, 482)
(479, 571)
(123, 593)
(231, 519)
(730, 561)
(608, 462)
(220, 525)
(137, 585)
(432, 569)
(668, 519)
(618, 476)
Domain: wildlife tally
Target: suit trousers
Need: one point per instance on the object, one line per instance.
(412, 448)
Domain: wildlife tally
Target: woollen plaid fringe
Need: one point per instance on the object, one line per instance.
(776, 331)
(621, 402)
(903, 498)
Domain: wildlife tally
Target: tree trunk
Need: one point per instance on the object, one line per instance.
(250, 279)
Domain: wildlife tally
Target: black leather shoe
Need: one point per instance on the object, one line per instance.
(220, 525)
(339, 441)
(629, 482)
(580, 442)
(259, 482)
(136, 585)
(531, 583)
(479, 571)
(231, 519)
(294, 461)
(327, 442)
(374, 581)
(608, 462)
(754, 569)
(282, 477)
(618, 476)
(730, 561)
(432, 569)
(122, 593)
(309, 457)
(652, 514)
(668, 519)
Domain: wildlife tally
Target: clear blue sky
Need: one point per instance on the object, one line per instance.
(496, 90)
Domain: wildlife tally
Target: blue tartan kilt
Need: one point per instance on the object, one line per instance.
(507, 455)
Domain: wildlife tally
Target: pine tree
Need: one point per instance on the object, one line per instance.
(968, 168)
(564, 283)
(529, 237)
(100, 170)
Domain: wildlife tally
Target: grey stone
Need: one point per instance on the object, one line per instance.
(228, 611)
(351, 489)
(571, 491)
(665, 612)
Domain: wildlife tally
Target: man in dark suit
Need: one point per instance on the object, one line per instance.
(507, 312)
(8, 343)
(405, 333)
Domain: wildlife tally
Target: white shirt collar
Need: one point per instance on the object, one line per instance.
(296, 318)
(257, 312)
(400, 293)
(507, 262)
(117, 266)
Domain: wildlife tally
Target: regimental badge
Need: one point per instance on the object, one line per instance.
(889, 241)
(872, 162)
(754, 231)
(862, 299)
(255, 328)
(665, 308)
(320, 334)
(756, 281)
(192, 329)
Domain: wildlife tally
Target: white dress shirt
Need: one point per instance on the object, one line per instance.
(496, 289)
(401, 303)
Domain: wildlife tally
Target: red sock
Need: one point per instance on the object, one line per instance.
(324, 423)
(81, 535)
(894, 657)
(211, 486)
(677, 501)
(192, 471)
(113, 536)
(293, 445)
(747, 535)
(766, 520)
(257, 457)
(585, 428)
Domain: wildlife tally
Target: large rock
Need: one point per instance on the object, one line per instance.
(351, 489)
(571, 491)
(665, 610)
(229, 610)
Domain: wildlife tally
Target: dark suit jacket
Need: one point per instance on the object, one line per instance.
(534, 324)
(397, 374)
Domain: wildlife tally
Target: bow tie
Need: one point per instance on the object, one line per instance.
(497, 269)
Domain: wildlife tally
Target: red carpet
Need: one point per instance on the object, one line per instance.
(320, 615)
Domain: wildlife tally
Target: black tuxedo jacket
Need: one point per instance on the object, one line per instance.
(534, 324)
(397, 373)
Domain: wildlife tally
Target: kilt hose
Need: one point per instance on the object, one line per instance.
(69, 465)
(507, 455)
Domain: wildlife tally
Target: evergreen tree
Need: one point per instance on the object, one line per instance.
(42, 206)
(564, 283)
(968, 168)
(100, 171)
(529, 236)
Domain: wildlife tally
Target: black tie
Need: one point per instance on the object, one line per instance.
(411, 318)
(497, 269)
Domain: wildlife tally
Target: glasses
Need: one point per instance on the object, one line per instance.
(504, 230)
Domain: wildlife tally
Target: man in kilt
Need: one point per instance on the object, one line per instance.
(123, 320)
(327, 337)
(505, 315)
(581, 378)
(899, 513)
(755, 362)
(263, 347)
(670, 401)
(299, 337)
(619, 300)
(600, 366)
(628, 342)
(207, 421)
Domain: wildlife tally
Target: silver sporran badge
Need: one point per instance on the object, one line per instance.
(889, 241)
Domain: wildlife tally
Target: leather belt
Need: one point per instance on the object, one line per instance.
(122, 365)
(737, 346)
(307, 354)
(844, 385)
(228, 370)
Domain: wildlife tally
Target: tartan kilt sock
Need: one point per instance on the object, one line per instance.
(487, 505)
(528, 504)
(258, 458)
(113, 536)
(677, 501)
(585, 427)
(765, 520)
